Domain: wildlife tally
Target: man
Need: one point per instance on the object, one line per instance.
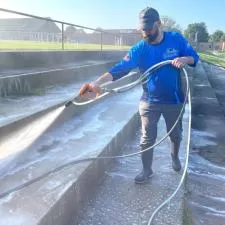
(162, 94)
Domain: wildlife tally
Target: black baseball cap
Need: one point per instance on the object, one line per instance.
(147, 17)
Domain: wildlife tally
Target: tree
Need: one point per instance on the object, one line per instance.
(99, 28)
(210, 38)
(197, 32)
(223, 37)
(169, 24)
(217, 35)
(70, 30)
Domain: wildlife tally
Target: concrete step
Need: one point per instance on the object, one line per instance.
(216, 76)
(36, 82)
(53, 88)
(204, 199)
(18, 107)
(47, 69)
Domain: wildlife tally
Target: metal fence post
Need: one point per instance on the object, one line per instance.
(62, 36)
(101, 40)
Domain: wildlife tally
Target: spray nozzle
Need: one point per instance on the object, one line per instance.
(68, 103)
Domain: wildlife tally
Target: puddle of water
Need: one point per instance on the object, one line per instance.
(206, 187)
(201, 139)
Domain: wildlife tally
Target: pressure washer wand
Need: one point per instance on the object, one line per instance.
(68, 103)
(105, 91)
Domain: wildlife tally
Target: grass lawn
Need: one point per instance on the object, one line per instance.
(222, 54)
(209, 57)
(45, 46)
(33, 45)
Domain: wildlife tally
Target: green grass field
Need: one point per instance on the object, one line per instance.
(32, 45)
(222, 54)
(46, 46)
(209, 57)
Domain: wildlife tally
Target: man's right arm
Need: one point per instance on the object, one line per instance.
(129, 62)
(106, 77)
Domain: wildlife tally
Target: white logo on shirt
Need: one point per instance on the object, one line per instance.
(170, 53)
(126, 57)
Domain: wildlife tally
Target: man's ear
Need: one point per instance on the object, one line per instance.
(159, 23)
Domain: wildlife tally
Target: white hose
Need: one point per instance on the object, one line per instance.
(121, 89)
(187, 155)
(187, 96)
(126, 86)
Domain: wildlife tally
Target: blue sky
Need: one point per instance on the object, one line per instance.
(122, 13)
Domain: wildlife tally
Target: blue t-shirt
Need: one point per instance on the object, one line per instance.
(164, 85)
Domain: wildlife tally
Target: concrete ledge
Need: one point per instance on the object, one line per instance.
(217, 83)
(31, 83)
(221, 98)
(203, 91)
(16, 60)
(206, 106)
(204, 101)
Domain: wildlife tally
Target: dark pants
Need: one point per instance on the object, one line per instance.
(150, 115)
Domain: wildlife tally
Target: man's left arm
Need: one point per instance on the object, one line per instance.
(181, 61)
(187, 54)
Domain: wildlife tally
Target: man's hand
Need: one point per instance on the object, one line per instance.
(90, 90)
(181, 61)
(93, 90)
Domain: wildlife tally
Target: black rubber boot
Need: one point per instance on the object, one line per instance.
(146, 172)
(175, 158)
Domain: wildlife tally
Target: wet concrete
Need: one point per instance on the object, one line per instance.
(205, 190)
(217, 80)
(38, 96)
(217, 124)
(34, 152)
(59, 136)
(121, 201)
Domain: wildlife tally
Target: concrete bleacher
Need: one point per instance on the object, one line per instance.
(103, 191)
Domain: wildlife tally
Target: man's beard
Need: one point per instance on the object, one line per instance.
(152, 37)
